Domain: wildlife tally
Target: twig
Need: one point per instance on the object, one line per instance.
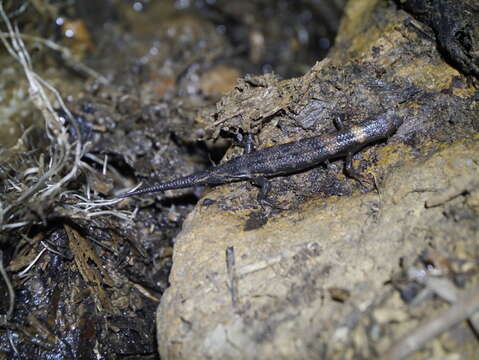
(450, 194)
(145, 292)
(466, 305)
(232, 278)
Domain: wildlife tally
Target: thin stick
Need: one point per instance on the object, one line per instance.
(232, 278)
(466, 305)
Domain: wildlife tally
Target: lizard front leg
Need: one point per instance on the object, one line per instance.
(353, 173)
(264, 189)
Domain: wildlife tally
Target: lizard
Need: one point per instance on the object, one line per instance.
(292, 157)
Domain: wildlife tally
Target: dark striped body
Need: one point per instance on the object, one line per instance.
(288, 158)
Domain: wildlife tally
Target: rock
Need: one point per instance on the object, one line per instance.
(284, 266)
(274, 302)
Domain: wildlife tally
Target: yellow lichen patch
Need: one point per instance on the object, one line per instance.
(354, 20)
(379, 46)
(430, 76)
(383, 50)
(366, 40)
(393, 154)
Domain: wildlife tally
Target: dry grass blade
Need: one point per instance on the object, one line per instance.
(48, 180)
(66, 55)
(61, 149)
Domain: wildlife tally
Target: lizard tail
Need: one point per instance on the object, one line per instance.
(180, 183)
